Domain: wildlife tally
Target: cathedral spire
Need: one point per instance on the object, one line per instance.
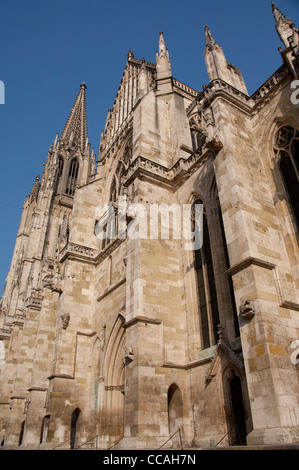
(75, 130)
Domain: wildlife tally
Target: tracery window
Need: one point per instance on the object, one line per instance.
(111, 226)
(208, 306)
(116, 182)
(72, 177)
(286, 148)
(122, 166)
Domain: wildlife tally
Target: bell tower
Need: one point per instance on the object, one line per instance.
(44, 225)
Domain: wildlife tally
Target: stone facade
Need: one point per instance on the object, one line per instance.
(129, 341)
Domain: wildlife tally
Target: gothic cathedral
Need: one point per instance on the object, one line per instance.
(112, 336)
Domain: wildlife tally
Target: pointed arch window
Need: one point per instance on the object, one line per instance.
(116, 184)
(60, 166)
(113, 191)
(123, 163)
(208, 306)
(72, 177)
(122, 166)
(286, 148)
(59, 174)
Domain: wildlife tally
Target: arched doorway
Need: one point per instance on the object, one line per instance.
(235, 407)
(175, 409)
(74, 422)
(238, 410)
(113, 372)
(44, 429)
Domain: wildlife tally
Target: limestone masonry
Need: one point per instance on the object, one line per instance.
(126, 342)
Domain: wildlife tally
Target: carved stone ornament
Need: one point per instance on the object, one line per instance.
(128, 356)
(102, 338)
(246, 310)
(52, 280)
(65, 317)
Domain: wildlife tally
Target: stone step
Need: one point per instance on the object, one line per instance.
(249, 447)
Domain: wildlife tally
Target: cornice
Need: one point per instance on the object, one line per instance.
(249, 104)
(175, 176)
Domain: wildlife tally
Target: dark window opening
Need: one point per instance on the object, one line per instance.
(72, 177)
(208, 305)
(60, 166)
(240, 431)
(287, 151)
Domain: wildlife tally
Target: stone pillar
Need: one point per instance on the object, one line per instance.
(13, 403)
(257, 253)
(271, 376)
(146, 414)
(43, 355)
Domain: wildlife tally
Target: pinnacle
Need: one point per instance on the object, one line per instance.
(210, 41)
(278, 15)
(162, 44)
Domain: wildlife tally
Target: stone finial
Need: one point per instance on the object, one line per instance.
(130, 54)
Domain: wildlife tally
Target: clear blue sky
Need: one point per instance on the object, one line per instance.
(48, 47)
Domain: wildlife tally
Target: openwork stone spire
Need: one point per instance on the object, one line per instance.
(75, 130)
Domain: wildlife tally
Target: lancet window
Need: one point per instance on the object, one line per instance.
(72, 177)
(115, 189)
(122, 166)
(60, 166)
(208, 307)
(286, 148)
